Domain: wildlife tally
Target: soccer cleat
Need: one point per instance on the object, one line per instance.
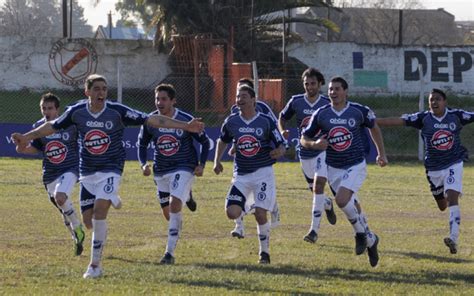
(373, 252)
(167, 259)
(361, 243)
(79, 236)
(92, 272)
(238, 232)
(453, 247)
(311, 237)
(264, 258)
(331, 215)
(191, 203)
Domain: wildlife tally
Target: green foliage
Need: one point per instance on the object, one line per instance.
(36, 251)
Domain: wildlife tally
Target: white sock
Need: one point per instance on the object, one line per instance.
(454, 222)
(318, 207)
(353, 216)
(99, 237)
(327, 202)
(365, 224)
(263, 232)
(239, 222)
(174, 227)
(68, 211)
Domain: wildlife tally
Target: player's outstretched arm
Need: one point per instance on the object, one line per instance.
(390, 121)
(43, 130)
(27, 150)
(319, 144)
(193, 126)
(220, 149)
(282, 127)
(377, 137)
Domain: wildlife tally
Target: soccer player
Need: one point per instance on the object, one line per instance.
(100, 125)
(440, 129)
(262, 107)
(313, 162)
(258, 143)
(175, 162)
(341, 125)
(60, 167)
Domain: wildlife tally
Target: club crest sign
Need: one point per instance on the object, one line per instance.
(72, 60)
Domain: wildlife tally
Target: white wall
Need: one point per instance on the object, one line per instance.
(383, 67)
(25, 63)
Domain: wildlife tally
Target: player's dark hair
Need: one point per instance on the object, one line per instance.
(93, 78)
(341, 80)
(313, 72)
(168, 88)
(247, 81)
(247, 88)
(50, 98)
(438, 91)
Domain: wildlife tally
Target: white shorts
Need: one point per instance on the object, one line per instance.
(351, 178)
(100, 186)
(64, 183)
(178, 184)
(315, 167)
(260, 185)
(447, 179)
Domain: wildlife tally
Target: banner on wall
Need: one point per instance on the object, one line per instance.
(7, 148)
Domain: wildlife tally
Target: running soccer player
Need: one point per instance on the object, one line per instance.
(440, 129)
(258, 143)
(341, 125)
(313, 162)
(100, 125)
(262, 107)
(175, 162)
(60, 167)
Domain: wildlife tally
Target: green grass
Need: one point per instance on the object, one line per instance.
(36, 252)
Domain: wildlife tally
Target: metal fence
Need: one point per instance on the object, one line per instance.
(210, 99)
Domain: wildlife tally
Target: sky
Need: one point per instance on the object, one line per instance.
(462, 9)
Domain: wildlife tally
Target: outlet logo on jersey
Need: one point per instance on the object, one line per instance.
(167, 145)
(96, 142)
(442, 140)
(55, 152)
(339, 138)
(305, 122)
(248, 145)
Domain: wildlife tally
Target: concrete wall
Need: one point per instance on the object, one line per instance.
(392, 70)
(35, 63)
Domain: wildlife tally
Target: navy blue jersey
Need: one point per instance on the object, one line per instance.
(174, 148)
(60, 152)
(260, 106)
(344, 131)
(300, 106)
(100, 134)
(441, 136)
(254, 139)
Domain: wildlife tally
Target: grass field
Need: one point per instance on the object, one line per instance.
(36, 252)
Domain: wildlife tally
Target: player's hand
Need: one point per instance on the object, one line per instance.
(278, 152)
(381, 160)
(19, 140)
(232, 151)
(195, 126)
(199, 170)
(218, 168)
(146, 170)
(321, 143)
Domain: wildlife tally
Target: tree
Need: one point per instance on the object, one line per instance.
(254, 23)
(40, 18)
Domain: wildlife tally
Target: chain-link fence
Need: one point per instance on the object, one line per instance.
(210, 99)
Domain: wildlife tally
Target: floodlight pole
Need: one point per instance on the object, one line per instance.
(64, 7)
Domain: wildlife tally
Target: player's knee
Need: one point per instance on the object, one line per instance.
(261, 216)
(319, 185)
(175, 205)
(233, 212)
(60, 198)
